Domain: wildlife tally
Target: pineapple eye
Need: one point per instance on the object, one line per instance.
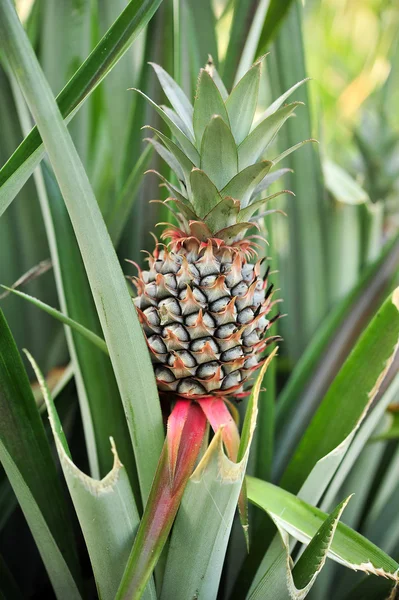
(220, 304)
(164, 374)
(187, 359)
(245, 316)
(198, 345)
(240, 289)
(232, 354)
(156, 344)
(231, 380)
(225, 331)
(207, 370)
(208, 281)
(190, 387)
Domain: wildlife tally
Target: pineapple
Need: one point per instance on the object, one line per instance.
(205, 308)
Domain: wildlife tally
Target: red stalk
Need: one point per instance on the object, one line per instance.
(185, 433)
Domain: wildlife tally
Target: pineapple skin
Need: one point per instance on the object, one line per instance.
(204, 309)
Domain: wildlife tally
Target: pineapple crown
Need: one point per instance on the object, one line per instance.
(216, 153)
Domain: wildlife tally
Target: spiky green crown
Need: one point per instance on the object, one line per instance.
(217, 152)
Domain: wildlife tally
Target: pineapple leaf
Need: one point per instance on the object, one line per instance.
(112, 46)
(268, 180)
(244, 183)
(260, 138)
(184, 209)
(204, 196)
(223, 214)
(25, 455)
(176, 97)
(280, 100)
(314, 557)
(168, 157)
(171, 188)
(219, 157)
(303, 520)
(291, 150)
(208, 102)
(178, 121)
(89, 335)
(230, 234)
(241, 104)
(109, 501)
(247, 212)
(182, 140)
(211, 69)
(185, 164)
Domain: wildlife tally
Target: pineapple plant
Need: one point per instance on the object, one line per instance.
(205, 307)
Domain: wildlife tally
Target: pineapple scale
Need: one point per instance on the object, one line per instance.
(204, 312)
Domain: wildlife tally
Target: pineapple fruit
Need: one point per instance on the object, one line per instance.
(205, 308)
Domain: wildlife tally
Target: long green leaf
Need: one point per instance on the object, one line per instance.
(263, 134)
(26, 457)
(312, 374)
(60, 23)
(103, 58)
(118, 317)
(89, 335)
(305, 270)
(276, 580)
(106, 509)
(302, 521)
(345, 405)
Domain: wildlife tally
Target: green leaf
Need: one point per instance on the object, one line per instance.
(302, 521)
(304, 271)
(127, 196)
(338, 329)
(206, 29)
(26, 457)
(208, 103)
(263, 134)
(244, 183)
(312, 560)
(345, 405)
(295, 583)
(281, 99)
(204, 194)
(275, 16)
(122, 330)
(109, 502)
(185, 163)
(242, 102)
(342, 186)
(89, 335)
(182, 140)
(356, 449)
(242, 12)
(210, 67)
(267, 181)
(290, 150)
(246, 214)
(223, 215)
(168, 157)
(212, 490)
(103, 58)
(176, 97)
(59, 24)
(219, 153)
